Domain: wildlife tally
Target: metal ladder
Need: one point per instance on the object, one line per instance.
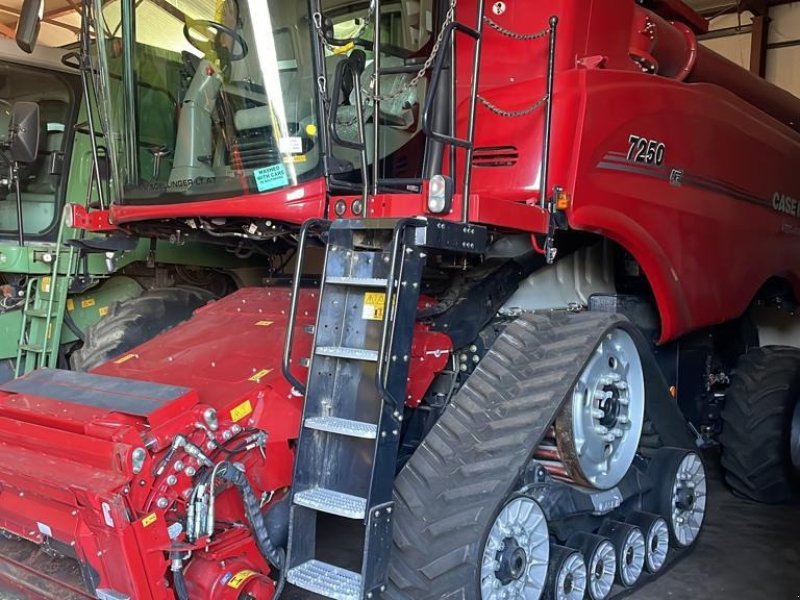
(347, 451)
(44, 308)
(346, 455)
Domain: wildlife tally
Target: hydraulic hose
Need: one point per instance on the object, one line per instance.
(275, 556)
(177, 577)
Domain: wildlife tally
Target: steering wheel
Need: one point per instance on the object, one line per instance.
(204, 28)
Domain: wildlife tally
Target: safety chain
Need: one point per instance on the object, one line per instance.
(512, 114)
(318, 22)
(522, 37)
(449, 18)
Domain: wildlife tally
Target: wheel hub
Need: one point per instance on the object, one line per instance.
(513, 559)
(598, 435)
(516, 553)
(689, 499)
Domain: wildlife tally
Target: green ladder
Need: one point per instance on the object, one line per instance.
(44, 308)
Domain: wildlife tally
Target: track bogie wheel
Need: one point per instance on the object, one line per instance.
(656, 537)
(566, 574)
(601, 562)
(630, 545)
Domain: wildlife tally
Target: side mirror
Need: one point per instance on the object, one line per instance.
(30, 19)
(23, 135)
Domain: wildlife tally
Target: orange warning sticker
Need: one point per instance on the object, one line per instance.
(264, 323)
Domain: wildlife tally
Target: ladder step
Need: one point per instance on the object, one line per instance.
(370, 282)
(332, 503)
(37, 348)
(356, 429)
(326, 580)
(40, 312)
(350, 353)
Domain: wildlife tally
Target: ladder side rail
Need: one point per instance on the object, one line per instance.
(321, 224)
(18, 369)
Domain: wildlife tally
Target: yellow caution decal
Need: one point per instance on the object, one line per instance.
(237, 580)
(124, 359)
(70, 304)
(257, 377)
(149, 520)
(264, 323)
(103, 310)
(88, 303)
(241, 411)
(374, 306)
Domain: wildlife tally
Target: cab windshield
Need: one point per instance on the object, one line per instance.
(206, 99)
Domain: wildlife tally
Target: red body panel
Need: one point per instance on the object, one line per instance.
(723, 218)
(66, 472)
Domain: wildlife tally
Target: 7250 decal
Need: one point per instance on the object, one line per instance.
(644, 150)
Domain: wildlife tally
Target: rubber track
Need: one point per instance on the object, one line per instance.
(132, 322)
(451, 489)
(754, 438)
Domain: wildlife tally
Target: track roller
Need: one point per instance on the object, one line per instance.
(566, 575)
(630, 545)
(656, 538)
(680, 495)
(601, 562)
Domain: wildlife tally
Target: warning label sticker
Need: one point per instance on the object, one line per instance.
(241, 411)
(237, 580)
(374, 306)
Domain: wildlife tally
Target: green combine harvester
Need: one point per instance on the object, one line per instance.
(69, 299)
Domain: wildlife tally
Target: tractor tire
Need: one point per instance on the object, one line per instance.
(454, 486)
(761, 425)
(131, 323)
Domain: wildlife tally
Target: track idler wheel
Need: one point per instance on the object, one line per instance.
(601, 562)
(517, 552)
(680, 494)
(630, 545)
(566, 575)
(656, 539)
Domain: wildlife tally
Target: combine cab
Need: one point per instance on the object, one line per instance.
(539, 256)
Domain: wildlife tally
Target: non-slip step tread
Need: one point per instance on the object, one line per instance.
(357, 429)
(326, 580)
(349, 353)
(358, 281)
(332, 502)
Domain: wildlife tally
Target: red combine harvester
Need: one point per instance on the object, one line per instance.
(551, 230)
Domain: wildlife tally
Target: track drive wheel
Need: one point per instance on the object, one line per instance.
(566, 576)
(761, 425)
(601, 563)
(680, 495)
(133, 322)
(455, 497)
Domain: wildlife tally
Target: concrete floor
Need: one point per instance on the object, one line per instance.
(747, 551)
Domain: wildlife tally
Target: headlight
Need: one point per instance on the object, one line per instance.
(440, 194)
(69, 216)
(339, 207)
